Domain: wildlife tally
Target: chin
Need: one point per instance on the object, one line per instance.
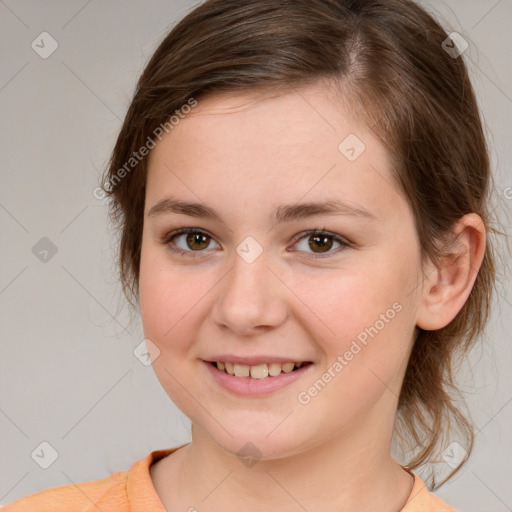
(251, 445)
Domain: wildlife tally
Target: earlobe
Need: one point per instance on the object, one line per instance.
(446, 287)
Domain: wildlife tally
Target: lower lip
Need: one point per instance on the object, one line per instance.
(249, 386)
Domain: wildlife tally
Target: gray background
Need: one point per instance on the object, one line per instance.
(68, 374)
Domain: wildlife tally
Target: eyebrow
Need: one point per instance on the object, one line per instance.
(282, 214)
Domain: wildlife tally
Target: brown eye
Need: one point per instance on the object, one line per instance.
(187, 241)
(192, 242)
(197, 241)
(321, 242)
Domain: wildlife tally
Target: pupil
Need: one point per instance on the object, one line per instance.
(322, 242)
(198, 238)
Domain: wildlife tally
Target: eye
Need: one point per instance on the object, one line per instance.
(323, 241)
(193, 240)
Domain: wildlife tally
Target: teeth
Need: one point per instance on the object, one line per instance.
(230, 368)
(288, 367)
(274, 369)
(241, 370)
(260, 371)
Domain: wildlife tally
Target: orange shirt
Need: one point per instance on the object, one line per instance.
(133, 490)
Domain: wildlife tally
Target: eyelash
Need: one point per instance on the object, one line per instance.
(167, 239)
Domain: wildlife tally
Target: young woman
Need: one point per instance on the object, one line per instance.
(302, 191)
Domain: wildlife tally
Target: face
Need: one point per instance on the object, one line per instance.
(253, 280)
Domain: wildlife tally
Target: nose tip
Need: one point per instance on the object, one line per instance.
(248, 302)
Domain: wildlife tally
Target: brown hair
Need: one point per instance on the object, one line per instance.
(387, 58)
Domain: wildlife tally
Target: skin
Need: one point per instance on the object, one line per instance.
(244, 155)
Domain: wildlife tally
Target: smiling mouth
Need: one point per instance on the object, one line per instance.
(260, 371)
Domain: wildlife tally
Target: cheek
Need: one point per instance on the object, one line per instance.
(343, 304)
(363, 320)
(171, 300)
(365, 347)
(158, 290)
(169, 305)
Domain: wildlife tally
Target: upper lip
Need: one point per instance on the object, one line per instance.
(253, 360)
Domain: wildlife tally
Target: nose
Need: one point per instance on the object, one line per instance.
(250, 298)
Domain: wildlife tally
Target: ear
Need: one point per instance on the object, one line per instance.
(447, 286)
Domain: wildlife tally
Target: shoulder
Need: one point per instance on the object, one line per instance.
(122, 491)
(83, 496)
(422, 500)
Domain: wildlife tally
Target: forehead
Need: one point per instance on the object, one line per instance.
(287, 145)
(290, 118)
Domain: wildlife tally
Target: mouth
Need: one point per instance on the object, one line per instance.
(259, 371)
(257, 380)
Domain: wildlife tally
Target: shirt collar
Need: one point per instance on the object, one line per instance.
(143, 496)
(139, 486)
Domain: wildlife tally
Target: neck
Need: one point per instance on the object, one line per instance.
(353, 471)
